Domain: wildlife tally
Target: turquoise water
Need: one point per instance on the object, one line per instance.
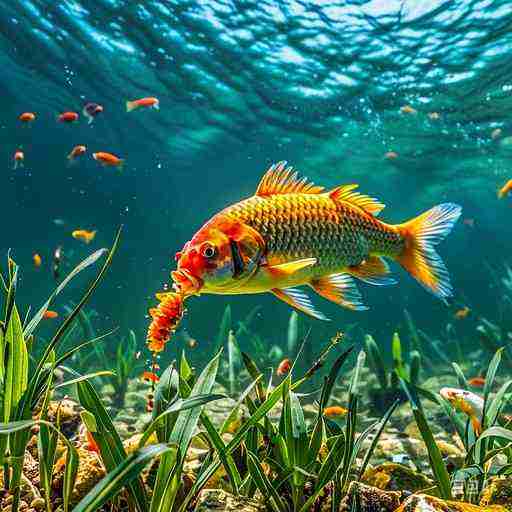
(243, 84)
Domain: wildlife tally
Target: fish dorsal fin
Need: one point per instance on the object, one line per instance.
(346, 193)
(280, 179)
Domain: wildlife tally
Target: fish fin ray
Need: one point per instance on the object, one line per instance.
(346, 193)
(289, 268)
(299, 300)
(419, 257)
(280, 179)
(374, 270)
(340, 289)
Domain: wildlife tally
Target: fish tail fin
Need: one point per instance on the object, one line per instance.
(130, 105)
(419, 257)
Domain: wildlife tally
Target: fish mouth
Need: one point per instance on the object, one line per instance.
(185, 282)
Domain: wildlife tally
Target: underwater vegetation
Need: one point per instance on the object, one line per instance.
(241, 431)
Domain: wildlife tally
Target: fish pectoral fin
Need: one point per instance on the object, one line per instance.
(287, 269)
(340, 289)
(373, 270)
(299, 300)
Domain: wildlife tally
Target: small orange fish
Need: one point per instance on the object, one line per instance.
(477, 382)
(503, 191)
(434, 116)
(108, 159)
(407, 109)
(284, 367)
(143, 102)
(469, 222)
(391, 155)
(67, 117)
(75, 152)
(37, 260)
(335, 411)
(50, 314)
(150, 376)
(19, 159)
(83, 235)
(462, 313)
(91, 445)
(27, 117)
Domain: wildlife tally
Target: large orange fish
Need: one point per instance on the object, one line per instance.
(293, 233)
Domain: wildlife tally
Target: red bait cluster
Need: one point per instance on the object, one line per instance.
(166, 318)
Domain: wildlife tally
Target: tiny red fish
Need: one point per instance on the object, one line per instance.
(477, 382)
(503, 191)
(27, 117)
(76, 151)
(143, 102)
(50, 314)
(284, 367)
(68, 117)
(19, 159)
(108, 159)
(335, 411)
(91, 445)
(150, 376)
(469, 222)
(391, 155)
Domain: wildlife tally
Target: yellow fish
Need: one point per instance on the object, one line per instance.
(293, 233)
(83, 235)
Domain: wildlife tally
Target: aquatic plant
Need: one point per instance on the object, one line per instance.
(27, 382)
(388, 377)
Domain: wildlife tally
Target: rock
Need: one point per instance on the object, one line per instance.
(424, 503)
(498, 492)
(395, 477)
(365, 498)
(69, 416)
(217, 499)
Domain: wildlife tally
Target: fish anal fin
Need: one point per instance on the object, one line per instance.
(289, 268)
(340, 289)
(346, 193)
(299, 300)
(477, 426)
(280, 179)
(373, 270)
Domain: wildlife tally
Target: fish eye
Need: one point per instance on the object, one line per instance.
(208, 250)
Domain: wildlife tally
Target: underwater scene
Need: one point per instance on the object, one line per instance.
(257, 256)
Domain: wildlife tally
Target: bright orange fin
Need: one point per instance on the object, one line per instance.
(419, 257)
(299, 300)
(280, 179)
(366, 203)
(373, 270)
(341, 289)
(477, 426)
(287, 269)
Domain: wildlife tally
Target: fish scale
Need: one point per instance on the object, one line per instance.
(316, 226)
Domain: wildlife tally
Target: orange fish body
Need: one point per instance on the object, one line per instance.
(292, 233)
(503, 191)
(108, 159)
(91, 444)
(143, 102)
(27, 117)
(150, 376)
(284, 367)
(50, 314)
(76, 152)
(335, 411)
(19, 159)
(37, 260)
(477, 382)
(84, 235)
(67, 117)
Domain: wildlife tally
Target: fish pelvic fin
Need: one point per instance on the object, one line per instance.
(477, 425)
(419, 257)
(346, 193)
(340, 289)
(374, 270)
(299, 300)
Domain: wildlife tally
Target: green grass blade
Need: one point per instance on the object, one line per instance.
(331, 379)
(490, 377)
(498, 403)
(461, 378)
(110, 486)
(376, 361)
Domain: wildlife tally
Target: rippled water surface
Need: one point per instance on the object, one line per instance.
(243, 84)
